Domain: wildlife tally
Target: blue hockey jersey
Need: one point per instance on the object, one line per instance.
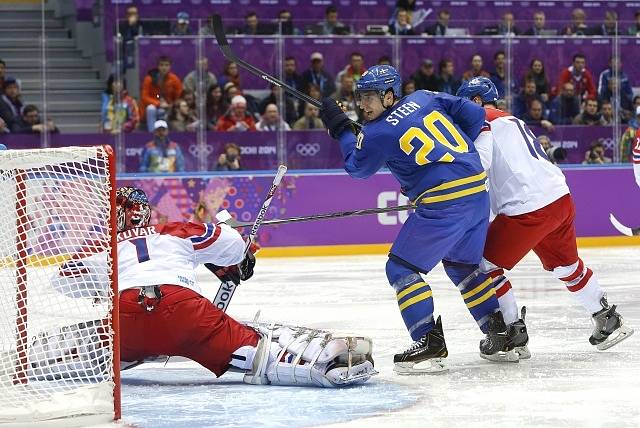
(426, 141)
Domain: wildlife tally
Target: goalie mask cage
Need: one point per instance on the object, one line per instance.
(59, 353)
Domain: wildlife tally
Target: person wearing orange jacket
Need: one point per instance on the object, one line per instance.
(160, 89)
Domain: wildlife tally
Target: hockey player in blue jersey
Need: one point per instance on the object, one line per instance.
(425, 140)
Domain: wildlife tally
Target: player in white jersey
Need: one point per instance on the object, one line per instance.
(163, 310)
(636, 157)
(534, 211)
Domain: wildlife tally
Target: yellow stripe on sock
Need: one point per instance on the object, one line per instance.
(479, 300)
(478, 289)
(411, 289)
(415, 299)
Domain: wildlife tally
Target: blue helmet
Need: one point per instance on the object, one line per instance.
(380, 78)
(480, 86)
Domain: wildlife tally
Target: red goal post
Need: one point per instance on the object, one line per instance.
(59, 329)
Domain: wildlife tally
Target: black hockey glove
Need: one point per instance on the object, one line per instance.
(333, 117)
(236, 273)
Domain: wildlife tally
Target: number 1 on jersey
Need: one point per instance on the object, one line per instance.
(141, 249)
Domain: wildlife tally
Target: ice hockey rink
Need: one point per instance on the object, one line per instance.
(567, 382)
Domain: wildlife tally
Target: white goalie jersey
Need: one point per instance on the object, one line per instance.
(155, 255)
(521, 178)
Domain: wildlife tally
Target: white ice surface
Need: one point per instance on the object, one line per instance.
(567, 382)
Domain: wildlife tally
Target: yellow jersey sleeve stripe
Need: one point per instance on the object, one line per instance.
(479, 300)
(411, 289)
(476, 290)
(415, 299)
(454, 195)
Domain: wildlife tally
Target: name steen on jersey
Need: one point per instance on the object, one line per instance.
(402, 111)
(136, 233)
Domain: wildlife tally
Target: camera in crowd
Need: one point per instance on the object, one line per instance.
(556, 154)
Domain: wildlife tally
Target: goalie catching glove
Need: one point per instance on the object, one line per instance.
(236, 273)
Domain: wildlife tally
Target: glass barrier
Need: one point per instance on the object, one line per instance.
(91, 70)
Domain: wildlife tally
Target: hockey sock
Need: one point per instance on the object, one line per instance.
(476, 290)
(582, 284)
(505, 295)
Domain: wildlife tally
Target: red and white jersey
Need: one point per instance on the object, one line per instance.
(636, 157)
(154, 255)
(521, 178)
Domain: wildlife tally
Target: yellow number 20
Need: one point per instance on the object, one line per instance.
(428, 143)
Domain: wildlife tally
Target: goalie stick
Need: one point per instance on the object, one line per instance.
(625, 230)
(221, 37)
(227, 288)
(326, 216)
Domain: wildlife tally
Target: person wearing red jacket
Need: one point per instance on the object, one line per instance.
(581, 78)
(237, 118)
(160, 89)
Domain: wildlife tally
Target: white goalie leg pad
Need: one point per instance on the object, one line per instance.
(300, 356)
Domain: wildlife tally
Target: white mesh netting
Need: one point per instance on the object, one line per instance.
(56, 334)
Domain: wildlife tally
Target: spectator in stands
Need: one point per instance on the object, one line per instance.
(610, 25)
(252, 26)
(354, 69)
(535, 116)
(408, 87)
(291, 76)
(216, 106)
(425, 77)
(578, 26)
(344, 95)
(161, 154)
(183, 118)
(271, 120)
(582, 79)
(476, 69)
(3, 70)
(606, 113)
(290, 112)
(538, 29)
(441, 26)
(11, 102)
(129, 30)
(331, 25)
(285, 24)
(566, 106)
(318, 76)
(122, 116)
(160, 89)
(230, 73)
(628, 137)
(190, 81)
(499, 74)
(447, 81)
(522, 103)
(624, 103)
(29, 122)
(508, 25)
(4, 129)
(401, 24)
(537, 73)
(626, 91)
(313, 91)
(229, 91)
(229, 159)
(181, 27)
(310, 119)
(237, 119)
(636, 101)
(384, 60)
(589, 114)
(634, 30)
(595, 155)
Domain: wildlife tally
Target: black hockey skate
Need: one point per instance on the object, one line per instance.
(515, 348)
(608, 327)
(497, 340)
(425, 355)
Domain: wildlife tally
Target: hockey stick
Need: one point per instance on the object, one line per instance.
(326, 216)
(227, 288)
(625, 230)
(221, 37)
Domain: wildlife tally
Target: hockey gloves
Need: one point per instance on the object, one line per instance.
(236, 273)
(334, 118)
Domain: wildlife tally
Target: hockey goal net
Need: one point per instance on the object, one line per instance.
(58, 345)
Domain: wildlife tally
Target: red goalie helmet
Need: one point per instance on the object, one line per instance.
(132, 208)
